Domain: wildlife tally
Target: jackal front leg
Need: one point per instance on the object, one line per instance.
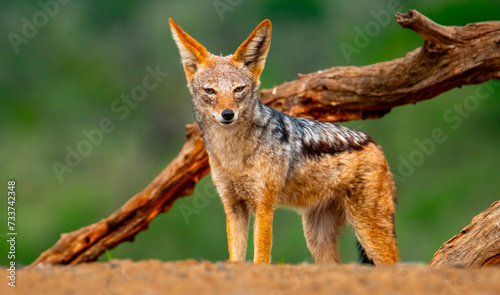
(263, 233)
(237, 229)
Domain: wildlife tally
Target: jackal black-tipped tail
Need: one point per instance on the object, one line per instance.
(362, 255)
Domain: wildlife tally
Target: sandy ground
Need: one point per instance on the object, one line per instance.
(193, 277)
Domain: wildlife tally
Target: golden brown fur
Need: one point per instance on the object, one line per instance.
(261, 158)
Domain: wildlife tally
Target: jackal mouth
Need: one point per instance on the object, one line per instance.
(227, 122)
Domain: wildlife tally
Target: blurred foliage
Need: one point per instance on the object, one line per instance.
(65, 78)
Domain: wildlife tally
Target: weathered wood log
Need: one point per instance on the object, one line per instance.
(478, 244)
(451, 57)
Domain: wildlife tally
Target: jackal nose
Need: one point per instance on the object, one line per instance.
(227, 114)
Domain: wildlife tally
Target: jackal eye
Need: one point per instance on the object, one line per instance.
(209, 91)
(239, 88)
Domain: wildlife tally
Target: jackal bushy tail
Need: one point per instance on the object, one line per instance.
(261, 158)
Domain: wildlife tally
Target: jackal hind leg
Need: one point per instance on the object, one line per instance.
(322, 225)
(371, 212)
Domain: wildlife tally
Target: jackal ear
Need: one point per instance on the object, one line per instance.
(252, 53)
(192, 53)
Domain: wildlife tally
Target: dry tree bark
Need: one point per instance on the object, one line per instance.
(450, 57)
(478, 244)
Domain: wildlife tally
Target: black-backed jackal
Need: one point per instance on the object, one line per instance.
(261, 158)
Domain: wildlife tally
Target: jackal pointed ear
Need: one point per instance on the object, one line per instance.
(193, 54)
(252, 53)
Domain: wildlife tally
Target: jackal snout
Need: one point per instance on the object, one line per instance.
(226, 117)
(222, 101)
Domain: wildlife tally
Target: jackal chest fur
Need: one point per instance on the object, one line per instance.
(242, 167)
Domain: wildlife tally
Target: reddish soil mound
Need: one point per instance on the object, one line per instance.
(192, 277)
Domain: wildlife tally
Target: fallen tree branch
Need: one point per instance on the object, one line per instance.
(177, 180)
(478, 244)
(451, 57)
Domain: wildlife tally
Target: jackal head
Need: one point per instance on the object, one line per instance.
(223, 88)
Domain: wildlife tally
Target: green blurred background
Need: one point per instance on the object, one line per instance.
(65, 77)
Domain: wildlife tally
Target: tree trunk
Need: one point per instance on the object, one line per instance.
(451, 57)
